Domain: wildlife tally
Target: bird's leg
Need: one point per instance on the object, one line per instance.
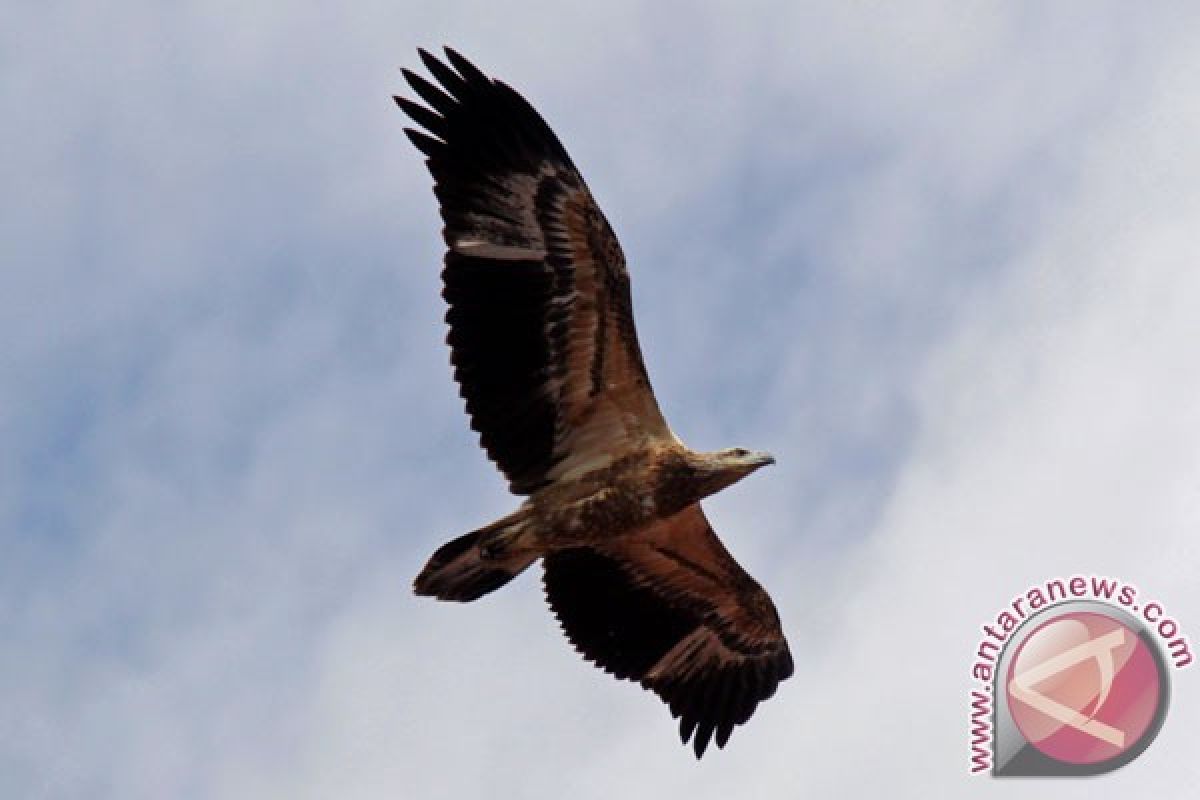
(600, 515)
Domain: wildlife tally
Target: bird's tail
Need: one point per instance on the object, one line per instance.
(467, 568)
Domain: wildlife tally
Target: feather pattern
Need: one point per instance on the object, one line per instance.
(546, 355)
(541, 321)
(672, 609)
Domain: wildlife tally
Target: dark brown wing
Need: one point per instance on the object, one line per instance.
(671, 608)
(541, 323)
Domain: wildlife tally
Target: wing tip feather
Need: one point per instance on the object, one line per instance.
(428, 145)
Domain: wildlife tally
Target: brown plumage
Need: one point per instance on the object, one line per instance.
(545, 352)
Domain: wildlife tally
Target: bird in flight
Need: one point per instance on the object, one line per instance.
(545, 353)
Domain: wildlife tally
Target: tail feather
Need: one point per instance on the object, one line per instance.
(459, 570)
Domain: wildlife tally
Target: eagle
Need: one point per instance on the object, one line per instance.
(546, 356)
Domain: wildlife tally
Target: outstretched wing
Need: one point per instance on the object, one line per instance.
(541, 322)
(669, 607)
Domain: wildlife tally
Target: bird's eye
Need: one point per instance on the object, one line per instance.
(740, 451)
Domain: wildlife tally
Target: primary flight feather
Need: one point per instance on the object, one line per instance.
(546, 355)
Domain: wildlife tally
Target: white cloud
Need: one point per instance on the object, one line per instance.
(951, 250)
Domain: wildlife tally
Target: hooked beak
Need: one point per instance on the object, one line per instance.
(760, 459)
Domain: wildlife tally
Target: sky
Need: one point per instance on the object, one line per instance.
(939, 258)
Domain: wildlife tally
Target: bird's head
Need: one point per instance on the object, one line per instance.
(723, 468)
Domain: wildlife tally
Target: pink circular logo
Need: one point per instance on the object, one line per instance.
(1083, 688)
